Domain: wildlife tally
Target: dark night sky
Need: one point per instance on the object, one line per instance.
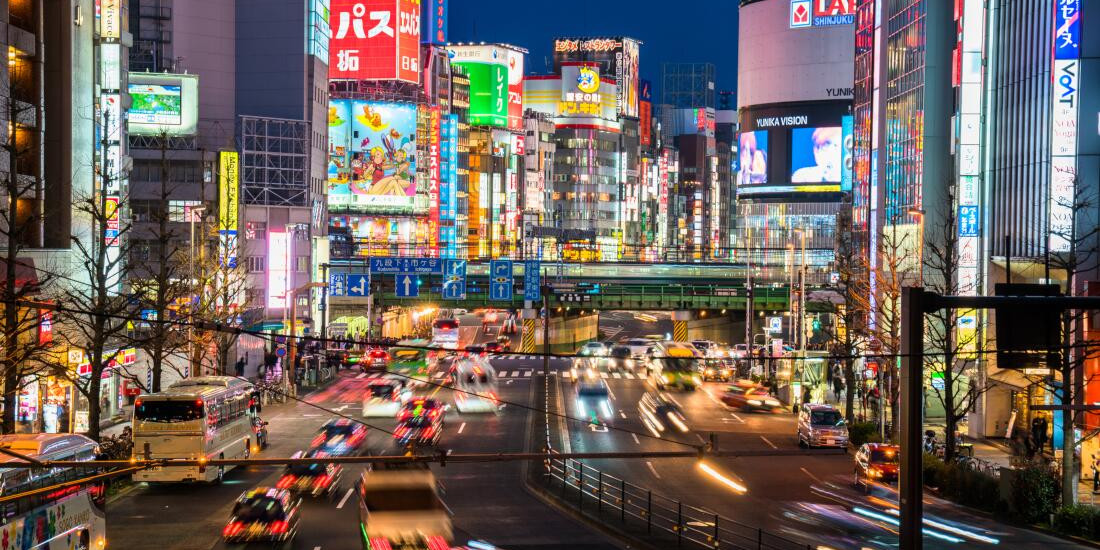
(671, 31)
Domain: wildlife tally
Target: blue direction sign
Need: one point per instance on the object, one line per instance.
(337, 283)
(454, 279)
(358, 284)
(500, 280)
(531, 281)
(406, 265)
(407, 286)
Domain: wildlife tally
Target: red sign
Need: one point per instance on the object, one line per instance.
(521, 146)
(645, 122)
(375, 40)
(433, 180)
(45, 327)
(824, 8)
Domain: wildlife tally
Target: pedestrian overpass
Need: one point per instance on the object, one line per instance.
(601, 286)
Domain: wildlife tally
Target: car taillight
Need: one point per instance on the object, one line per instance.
(379, 543)
(323, 481)
(436, 542)
(278, 527)
(319, 440)
(234, 528)
(286, 481)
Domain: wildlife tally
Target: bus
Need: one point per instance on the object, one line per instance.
(412, 364)
(445, 333)
(199, 417)
(675, 365)
(72, 518)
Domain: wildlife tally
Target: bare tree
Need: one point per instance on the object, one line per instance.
(847, 336)
(20, 219)
(952, 361)
(96, 315)
(223, 301)
(891, 273)
(161, 280)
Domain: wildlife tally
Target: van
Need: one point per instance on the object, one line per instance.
(821, 425)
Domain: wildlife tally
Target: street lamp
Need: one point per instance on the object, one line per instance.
(195, 212)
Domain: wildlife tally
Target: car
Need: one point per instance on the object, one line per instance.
(821, 425)
(583, 367)
(659, 411)
(620, 359)
(340, 437)
(311, 479)
(385, 397)
(505, 342)
(422, 406)
(594, 400)
(422, 430)
(639, 347)
(704, 345)
(459, 311)
(263, 515)
(399, 504)
(475, 350)
(750, 398)
(721, 370)
(374, 360)
(493, 347)
(674, 364)
(876, 462)
(593, 349)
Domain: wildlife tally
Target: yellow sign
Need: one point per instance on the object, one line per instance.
(110, 26)
(967, 333)
(228, 187)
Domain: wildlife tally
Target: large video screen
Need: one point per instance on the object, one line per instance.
(752, 149)
(817, 155)
(372, 158)
(155, 104)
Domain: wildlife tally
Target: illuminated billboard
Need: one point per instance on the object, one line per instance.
(575, 101)
(228, 205)
(278, 265)
(436, 18)
(816, 155)
(616, 57)
(753, 150)
(375, 40)
(372, 158)
(163, 103)
(822, 13)
(155, 104)
(496, 94)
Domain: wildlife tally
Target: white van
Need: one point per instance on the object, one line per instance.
(397, 503)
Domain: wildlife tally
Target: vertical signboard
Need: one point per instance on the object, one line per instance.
(491, 87)
(846, 144)
(437, 21)
(433, 179)
(1063, 121)
(375, 40)
(228, 205)
(514, 59)
(111, 19)
(278, 266)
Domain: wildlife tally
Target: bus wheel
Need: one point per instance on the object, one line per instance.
(221, 469)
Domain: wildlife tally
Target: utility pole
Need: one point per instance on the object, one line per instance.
(546, 330)
(324, 301)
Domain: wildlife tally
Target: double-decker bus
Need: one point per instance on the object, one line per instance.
(68, 518)
(195, 418)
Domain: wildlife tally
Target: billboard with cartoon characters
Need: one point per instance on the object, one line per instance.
(372, 158)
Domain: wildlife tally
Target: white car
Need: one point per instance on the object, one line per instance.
(400, 503)
(593, 349)
(384, 398)
(639, 347)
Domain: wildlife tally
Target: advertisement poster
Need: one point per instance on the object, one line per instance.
(816, 155)
(753, 150)
(515, 89)
(155, 104)
(372, 157)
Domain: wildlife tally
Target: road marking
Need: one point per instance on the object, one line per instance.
(652, 469)
(506, 374)
(312, 415)
(603, 374)
(616, 375)
(622, 414)
(739, 419)
(462, 427)
(700, 438)
(316, 548)
(769, 442)
(807, 472)
(610, 393)
(361, 376)
(635, 436)
(344, 500)
(526, 373)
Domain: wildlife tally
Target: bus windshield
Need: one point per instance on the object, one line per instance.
(168, 411)
(678, 364)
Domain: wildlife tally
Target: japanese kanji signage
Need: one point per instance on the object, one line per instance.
(375, 40)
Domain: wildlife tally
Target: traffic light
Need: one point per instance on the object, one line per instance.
(816, 324)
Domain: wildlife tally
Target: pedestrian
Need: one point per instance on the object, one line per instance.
(807, 395)
(240, 367)
(838, 387)
(1096, 473)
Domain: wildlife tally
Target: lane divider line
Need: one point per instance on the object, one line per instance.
(635, 438)
(807, 472)
(766, 440)
(344, 500)
(652, 469)
(462, 427)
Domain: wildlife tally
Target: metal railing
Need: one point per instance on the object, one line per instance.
(638, 509)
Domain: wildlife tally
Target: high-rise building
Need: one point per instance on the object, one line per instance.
(688, 85)
(794, 87)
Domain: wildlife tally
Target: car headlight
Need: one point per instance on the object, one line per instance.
(754, 402)
(630, 362)
(874, 472)
(772, 403)
(710, 372)
(668, 378)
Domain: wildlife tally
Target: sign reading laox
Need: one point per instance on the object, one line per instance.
(822, 13)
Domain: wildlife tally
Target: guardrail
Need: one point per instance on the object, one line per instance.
(639, 511)
(612, 498)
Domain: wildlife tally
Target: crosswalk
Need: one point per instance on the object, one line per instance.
(520, 374)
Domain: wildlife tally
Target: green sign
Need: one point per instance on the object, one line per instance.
(488, 93)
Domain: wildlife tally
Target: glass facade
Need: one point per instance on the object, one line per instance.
(905, 51)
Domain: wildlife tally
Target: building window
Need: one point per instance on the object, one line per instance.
(255, 264)
(302, 265)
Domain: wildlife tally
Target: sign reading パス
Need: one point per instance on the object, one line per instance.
(822, 13)
(375, 40)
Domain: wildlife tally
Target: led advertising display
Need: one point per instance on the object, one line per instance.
(163, 103)
(375, 40)
(847, 125)
(816, 155)
(436, 11)
(494, 98)
(645, 114)
(435, 115)
(1067, 29)
(278, 264)
(615, 57)
(372, 158)
(228, 205)
(155, 104)
(822, 13)
(752, 148)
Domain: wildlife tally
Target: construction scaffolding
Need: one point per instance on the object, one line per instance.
(274, 161)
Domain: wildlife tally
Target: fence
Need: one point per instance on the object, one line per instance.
(638, 509)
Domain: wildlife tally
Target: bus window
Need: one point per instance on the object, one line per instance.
(168, 411)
